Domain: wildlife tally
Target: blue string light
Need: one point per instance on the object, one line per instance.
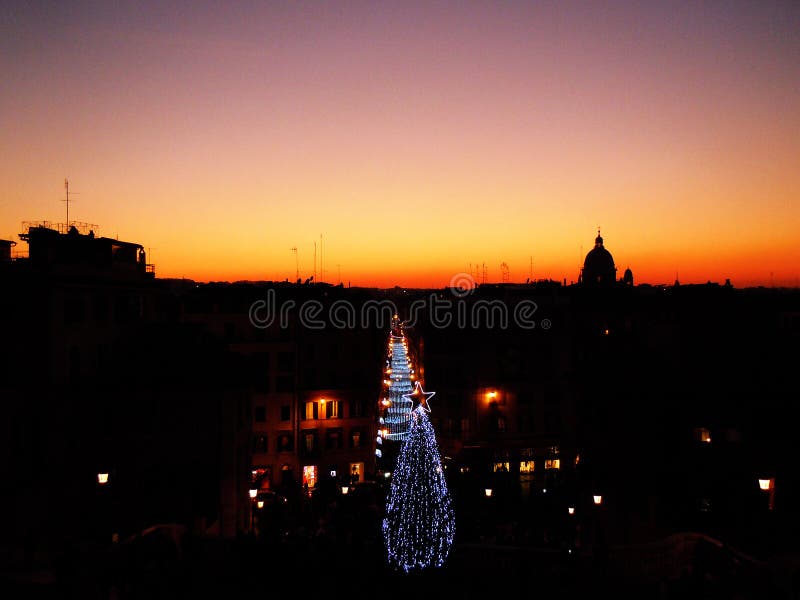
(420, 524)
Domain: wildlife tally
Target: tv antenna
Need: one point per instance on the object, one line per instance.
(296, 263)
(66, 199)
(506, 272)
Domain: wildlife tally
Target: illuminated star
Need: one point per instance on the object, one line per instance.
(421, 395)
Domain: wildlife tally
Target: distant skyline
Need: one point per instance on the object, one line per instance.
(416, 137)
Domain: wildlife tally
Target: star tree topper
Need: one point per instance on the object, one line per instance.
(420, 396)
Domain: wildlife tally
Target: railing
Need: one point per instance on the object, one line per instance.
(82, 227)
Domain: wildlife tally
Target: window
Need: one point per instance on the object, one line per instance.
(333, 409)
(356, 472)
(309, 441)
(285, 442)
(260, 443)
(309, 476)
(526, 466)
(701, 434)
(552, 463)
(261, 414)
(355, 439)
(286, 412)
(311, 410)
(333, 439)
(501, 467)
(356, 408)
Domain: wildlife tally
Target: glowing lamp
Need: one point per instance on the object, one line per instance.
(571, 510)
(253, 493)
(488, 492)
(333, 472)
(260, 504)
(102, 478)
(598, 499)
(765, 484)
(387, 474)
(345, 489)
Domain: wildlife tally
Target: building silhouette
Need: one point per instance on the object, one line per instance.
(598, 266)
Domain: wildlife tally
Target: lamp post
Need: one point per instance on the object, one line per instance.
(105, 507)
(253, 493)
(768, 485)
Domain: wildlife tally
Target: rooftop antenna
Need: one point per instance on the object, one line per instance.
(315, 261)
(321, 270)
(531, 270)
(505, 272)
(66, 188)
(338, 266)
(296, 263)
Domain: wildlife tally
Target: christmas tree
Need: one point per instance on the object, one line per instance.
(419, 525)
(396, 413)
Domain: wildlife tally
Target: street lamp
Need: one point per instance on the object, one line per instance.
(488, 492)
(598, 499)
(571, 510)
(102, 478)
(768, 485)
(345, 489)
(253, 493)
(260, 504)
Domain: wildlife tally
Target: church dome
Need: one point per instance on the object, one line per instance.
(598, 268)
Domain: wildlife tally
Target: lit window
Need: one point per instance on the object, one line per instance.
(356, 472)
(311, 410)
(552, 463)
(332, 409)
(502, 466)
(285, 443)
(526, 466)
(701, 434)
(310, 476)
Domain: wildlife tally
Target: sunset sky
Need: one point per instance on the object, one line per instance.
(416, 137)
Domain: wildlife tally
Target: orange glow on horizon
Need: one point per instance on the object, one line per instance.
(405, 145)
